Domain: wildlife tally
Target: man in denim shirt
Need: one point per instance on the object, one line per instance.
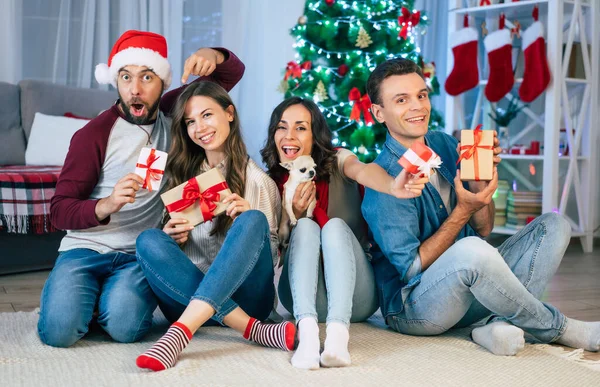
(433, 270)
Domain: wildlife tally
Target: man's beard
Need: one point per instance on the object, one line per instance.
(143, 120)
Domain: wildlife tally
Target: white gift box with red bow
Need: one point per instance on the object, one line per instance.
(151, 167)
(420, 160)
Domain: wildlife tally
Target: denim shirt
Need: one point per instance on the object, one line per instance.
(399, 226)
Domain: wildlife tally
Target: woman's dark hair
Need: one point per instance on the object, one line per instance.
(322, 150)
(186, 157)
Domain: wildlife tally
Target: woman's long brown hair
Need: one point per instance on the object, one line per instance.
(322, 150)
(186, 157)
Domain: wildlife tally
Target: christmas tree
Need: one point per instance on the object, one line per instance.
(339, 43)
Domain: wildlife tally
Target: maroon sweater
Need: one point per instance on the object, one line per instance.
(72, 207)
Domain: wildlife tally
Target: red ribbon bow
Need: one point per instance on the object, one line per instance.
(191, 193)
(151, 174)
(472, 150)
(294, 70)
(407, 20)
(361, 104)
(484, 2)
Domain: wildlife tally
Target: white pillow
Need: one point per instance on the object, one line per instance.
(50, 138)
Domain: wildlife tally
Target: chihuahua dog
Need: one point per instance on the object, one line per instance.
(301, 170)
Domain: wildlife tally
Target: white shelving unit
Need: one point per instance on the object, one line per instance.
(568, 182)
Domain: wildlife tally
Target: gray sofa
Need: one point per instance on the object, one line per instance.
(18, 105)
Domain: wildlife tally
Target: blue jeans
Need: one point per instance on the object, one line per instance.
(84, 279)
(241, 274)
(473, 280)
(340, 287)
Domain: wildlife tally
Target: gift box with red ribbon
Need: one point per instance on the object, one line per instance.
(151, 167)
(420, 160)
(199, 199)
(476, 154)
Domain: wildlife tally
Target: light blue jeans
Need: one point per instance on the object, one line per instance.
(473, 280)
(84, 279)
(241, 274)
(339, 287)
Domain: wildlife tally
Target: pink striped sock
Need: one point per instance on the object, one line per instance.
(280, 335)
(164, 353)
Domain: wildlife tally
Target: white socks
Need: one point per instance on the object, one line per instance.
(500, 338)
(336, 352)
(307, 353)
(581, 334)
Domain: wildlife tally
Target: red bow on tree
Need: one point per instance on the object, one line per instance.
(294, 70)
(407, 21)
(151, 174)
(361, 104)
(191, 193)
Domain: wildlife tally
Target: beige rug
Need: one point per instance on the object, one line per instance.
(219, 357)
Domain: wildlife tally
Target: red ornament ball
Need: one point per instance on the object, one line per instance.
(330, 2)
(343, 69)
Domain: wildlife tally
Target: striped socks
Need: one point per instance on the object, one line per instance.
(280, 335)
(165, 352)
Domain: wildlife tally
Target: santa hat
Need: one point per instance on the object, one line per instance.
(137, 48)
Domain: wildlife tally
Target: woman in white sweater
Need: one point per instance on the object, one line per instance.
(221, 271)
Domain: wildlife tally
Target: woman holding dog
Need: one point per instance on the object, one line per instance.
(217, 271)
(326, 271)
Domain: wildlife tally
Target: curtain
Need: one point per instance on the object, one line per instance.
(258, 32)
(61, 41)
(10, 40)
(436, 36)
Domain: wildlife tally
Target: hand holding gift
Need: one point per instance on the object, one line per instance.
(151, 167)
(472, 201)
(178, 229)
(420, 160)
(199, 199)
(408, 186)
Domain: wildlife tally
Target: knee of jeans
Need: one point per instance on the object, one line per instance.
(334, 225)
(127, 326)
(254, 219)
(308, 224)
(475, 254)
(146, 241)
(557, 227)
(58, 330)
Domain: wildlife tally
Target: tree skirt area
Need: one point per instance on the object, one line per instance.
(221, 357)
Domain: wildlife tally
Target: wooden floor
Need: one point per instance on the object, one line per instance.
(575, 289)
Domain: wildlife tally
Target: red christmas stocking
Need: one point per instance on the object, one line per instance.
(537, 74)
(464, 75)
(498, 45)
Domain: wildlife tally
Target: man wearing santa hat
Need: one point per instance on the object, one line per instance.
(98, 199)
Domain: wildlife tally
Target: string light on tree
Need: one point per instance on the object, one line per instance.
(344, 40)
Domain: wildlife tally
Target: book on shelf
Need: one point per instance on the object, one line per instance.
(522, 207)
(529, 209)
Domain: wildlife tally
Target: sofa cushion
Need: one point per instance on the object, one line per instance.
(12, 146)
(56, 100)
(50, 138)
